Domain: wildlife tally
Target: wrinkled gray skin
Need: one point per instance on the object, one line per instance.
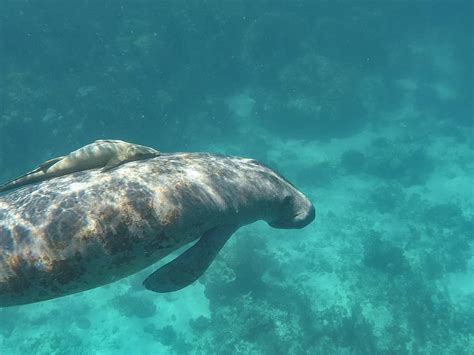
(87, 229)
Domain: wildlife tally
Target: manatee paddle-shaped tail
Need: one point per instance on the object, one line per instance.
(190, 265)
(30, 177)
(106, 154)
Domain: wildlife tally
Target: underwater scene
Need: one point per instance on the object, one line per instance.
(365, 107)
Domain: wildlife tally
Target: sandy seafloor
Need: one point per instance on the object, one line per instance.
(386, 268)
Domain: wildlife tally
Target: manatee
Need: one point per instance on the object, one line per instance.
(105, 154)
(87, 229)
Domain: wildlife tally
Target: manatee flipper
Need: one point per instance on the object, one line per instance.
(190, 265)
(112, 163)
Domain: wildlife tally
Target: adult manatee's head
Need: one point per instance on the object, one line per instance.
(288, 208)
(137, 152)
(294, 210)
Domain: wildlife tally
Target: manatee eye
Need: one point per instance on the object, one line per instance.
(288, 200)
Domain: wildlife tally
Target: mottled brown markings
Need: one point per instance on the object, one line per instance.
(67, 271)
(16, 286)
(46, 261)
(123, 236)
(155, 245)
(6, 240)
(23, 275)
(21, 235)
(36, 212)
(140, 200)
(113, 230)
(170, 217)
(44, 281)
(14, 262)
(68, 223)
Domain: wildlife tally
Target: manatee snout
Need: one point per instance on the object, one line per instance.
(296, 211)
(304, 217)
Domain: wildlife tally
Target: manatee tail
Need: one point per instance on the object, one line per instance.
(36, 175)
(18, 182)
(29, 178)
(190, 265)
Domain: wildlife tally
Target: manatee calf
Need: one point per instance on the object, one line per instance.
(105, 154)
(87, 229)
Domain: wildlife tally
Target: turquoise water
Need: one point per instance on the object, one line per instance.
(366, 106)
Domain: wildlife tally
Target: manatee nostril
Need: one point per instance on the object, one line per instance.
(306, 217)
